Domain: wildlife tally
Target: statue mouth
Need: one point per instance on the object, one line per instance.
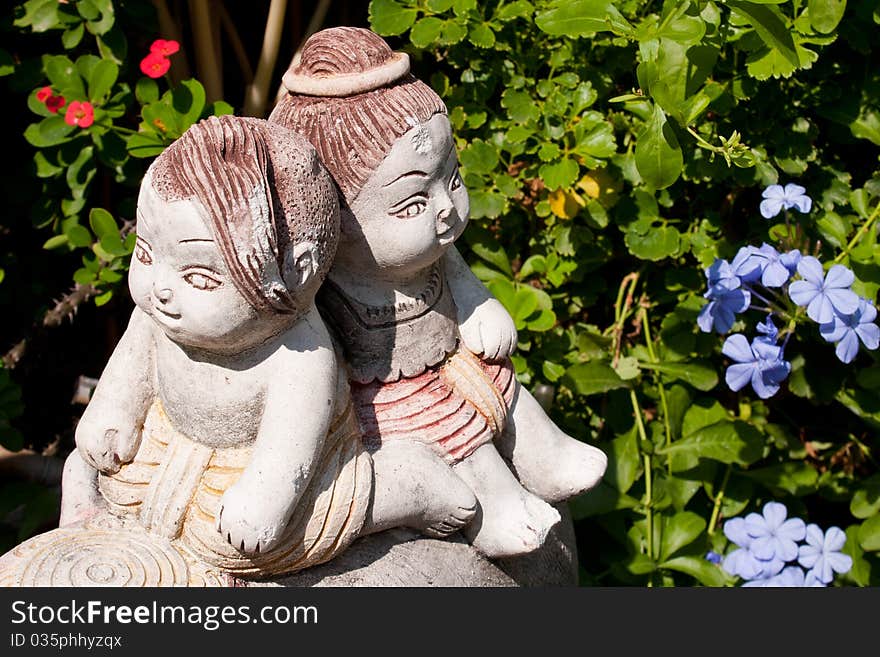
(168, 314)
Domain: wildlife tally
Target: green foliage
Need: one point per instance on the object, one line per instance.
(132, 122)
(612, 150)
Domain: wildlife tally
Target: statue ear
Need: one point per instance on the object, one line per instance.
(301, 265)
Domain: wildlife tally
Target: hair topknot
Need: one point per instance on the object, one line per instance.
(342, 51)
(353, 132)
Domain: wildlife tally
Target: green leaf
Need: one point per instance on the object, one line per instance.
(102, 299)
(552, 371)
(426, 31)
(479, 157)
(867, 126)
(189, 100)
(491, 251)
(102, 222)
(487, 204)
(624, 461)
(680, 530)
(102, 79)
(593, 377)
(658, 156)
(144, 145)
(574, 18)
(64, 76)
(727, 442)
(866, 500)
(54, 242)
(78, 236)
(40, 15)
(684, 29)
(700, 374)
(706, 573)
(50, 131)
(601, 500)
(481, 35)
(826, 14)
(146, 91)
(390, 18)
(793, 478)
(517, 9)
(658, 243)
(869, 534)
(71, 37)
(439, 6)
(559, 174)
(834, 228)
(519, 105)
(770, 26)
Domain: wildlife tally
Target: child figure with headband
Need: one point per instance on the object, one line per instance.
(427, 346)
(223, 420)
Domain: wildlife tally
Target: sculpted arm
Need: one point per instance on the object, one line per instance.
(296, 418)
(486, 327)
(108, 434)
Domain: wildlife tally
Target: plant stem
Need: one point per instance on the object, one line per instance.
(716, 509)
(862, 231)
(667, 428)
(258, 92)
(649, 512)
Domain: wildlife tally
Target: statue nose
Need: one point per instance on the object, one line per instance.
(163, 295)
(445, 220)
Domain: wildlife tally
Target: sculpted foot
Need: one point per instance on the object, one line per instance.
(80, 499)
(248, 521)
(415, 488)
(548, 462)
(510, 520)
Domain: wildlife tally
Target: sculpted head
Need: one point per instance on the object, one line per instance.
(237, 226)
(386, 140)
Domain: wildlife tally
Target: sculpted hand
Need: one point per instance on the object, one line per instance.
(106, 448)
(489, 331)
(249, 521)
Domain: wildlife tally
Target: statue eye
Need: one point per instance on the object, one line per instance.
(201, 281)
(142, 253)
(412, 210)
(455, 183)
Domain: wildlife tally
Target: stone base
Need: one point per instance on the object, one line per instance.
(109, 552)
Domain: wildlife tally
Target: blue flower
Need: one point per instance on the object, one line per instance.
(767, 329)
(822, 553)
(746, 265)
(774, 536)
(847, 330)
(743, 562)
(720, 276)
(760, 364)
(824, 295)
(790, 577)
(777, 267)
(713, 557)
(776, 198)
(720, 312)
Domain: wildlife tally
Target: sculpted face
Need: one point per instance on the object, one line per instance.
(413, 206)
(178, 277)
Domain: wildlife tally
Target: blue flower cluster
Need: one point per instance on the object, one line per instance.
(762, 278)
(768, 552)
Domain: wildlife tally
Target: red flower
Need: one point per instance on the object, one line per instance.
(43, 94)
(164, 47)
(55, 103)
(80, 114)
(155, 65)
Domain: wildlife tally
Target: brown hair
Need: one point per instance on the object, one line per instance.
(264, 191)
(353, 134)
